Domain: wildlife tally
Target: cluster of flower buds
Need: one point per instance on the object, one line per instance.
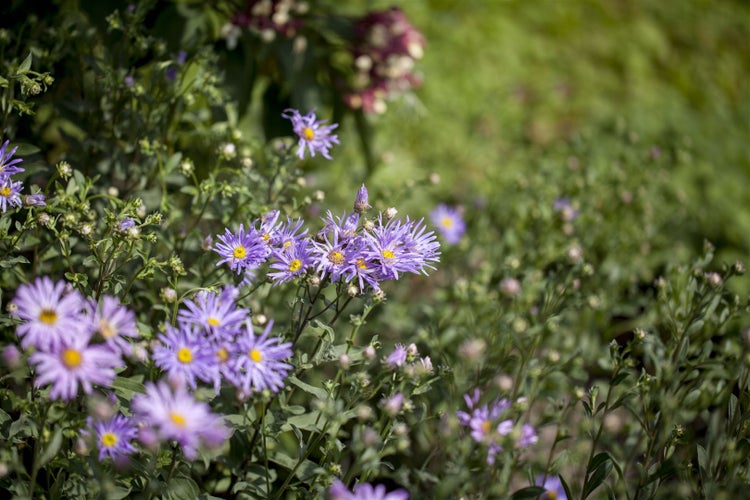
(385, 48)
(269, 18)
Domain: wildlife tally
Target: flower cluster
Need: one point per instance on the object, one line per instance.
(349, 248)
(488, 424)
(10, 190)
(385, 49)
(269, 18)
(214, 342)
(77, 342)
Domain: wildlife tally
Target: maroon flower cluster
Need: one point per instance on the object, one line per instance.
(272, 17)
(385, 48)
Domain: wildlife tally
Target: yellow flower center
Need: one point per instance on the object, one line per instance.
(109, 440)
(106, 329)
(184, 355)
(266, 237)
(48, 316)
(178, 419)
(239, 252)
(71, 358)
(255, 355)
(361, 264)
(447, 222)
(287, 244)
(222, 354)
(388, 254)
(5, 191)
(295, 265)
(550, 495)
(336, 258)
(486, 426)
(213, 321)
(308, 134)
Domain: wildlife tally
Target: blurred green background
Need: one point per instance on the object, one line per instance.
(509, 85)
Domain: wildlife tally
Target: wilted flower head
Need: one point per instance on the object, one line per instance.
(312, 134)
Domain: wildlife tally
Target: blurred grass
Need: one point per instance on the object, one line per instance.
(507, 82)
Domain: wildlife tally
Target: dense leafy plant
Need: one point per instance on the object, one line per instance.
(187, 316)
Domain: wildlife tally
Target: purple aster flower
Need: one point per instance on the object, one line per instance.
(361, 202)
(10, 193)
(11, 357)
(175, 415)
(184, 356)
(401, 247)
(34, 200)
(113, 436)
(331, 256)
(113, 322)
(365, 491)
(260, 365)
(397, 357)
(214, 312)
(482, 420)
(449, 223)
(50, 312)
(242, 250)
(393, 404)
(8, 166)
(269, 226)
(312, 133)
(346, 226)
(554, 487)
(289, 234)
(74, 363)
(292, 263)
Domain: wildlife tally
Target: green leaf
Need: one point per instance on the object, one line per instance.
(183, 488)
(319, 393)
(52, 448)
(25, 65)
(128, 387)
(603, 463)
(528, 492)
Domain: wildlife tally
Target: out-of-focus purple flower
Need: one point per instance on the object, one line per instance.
(365, 491)
(449, 223)
(34, 200)
(124, 224)
(397, 357)
(11, 356)
(565, 207)
(114, 322)
(50, 314)
(361, 202)
(528, 436)
(393, 404)
(74, 363)
(175, 415)
(261, 365)
(8, 165)
(113, 437)
(184, 356)
(215, 313)
(129, 81)
(312, 133)
(554, 487)
(10, 193)
(241, 250)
